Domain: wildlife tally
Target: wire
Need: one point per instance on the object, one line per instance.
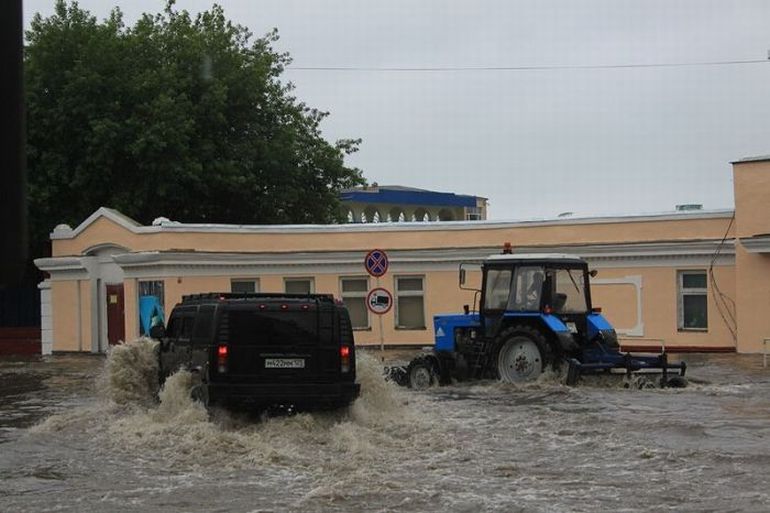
(723, 302)
(443, 69)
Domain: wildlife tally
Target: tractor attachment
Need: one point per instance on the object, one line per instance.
(602, 362)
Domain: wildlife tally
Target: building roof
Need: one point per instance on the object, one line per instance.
(758, 158)
(66, 232)
(400, 195)
(513, 257)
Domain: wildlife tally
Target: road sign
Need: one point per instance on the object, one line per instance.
(379, 301)
(376, 262)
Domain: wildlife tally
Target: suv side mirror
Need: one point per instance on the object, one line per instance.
(158, 332)
(593, 273)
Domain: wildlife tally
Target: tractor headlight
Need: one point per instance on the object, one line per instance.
(609, 338)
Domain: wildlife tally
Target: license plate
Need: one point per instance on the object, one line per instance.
(284, 363)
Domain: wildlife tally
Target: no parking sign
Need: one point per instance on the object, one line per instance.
(376, 262)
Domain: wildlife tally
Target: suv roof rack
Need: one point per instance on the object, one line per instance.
(326, 298)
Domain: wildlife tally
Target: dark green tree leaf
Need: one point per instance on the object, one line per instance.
(177, 116)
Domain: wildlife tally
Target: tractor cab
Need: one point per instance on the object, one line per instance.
(518, 286)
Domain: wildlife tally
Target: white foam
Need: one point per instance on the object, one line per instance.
(127, 417)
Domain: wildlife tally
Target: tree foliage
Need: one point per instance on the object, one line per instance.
(181, 116)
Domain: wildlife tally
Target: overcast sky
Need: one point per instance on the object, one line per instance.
(535, 142)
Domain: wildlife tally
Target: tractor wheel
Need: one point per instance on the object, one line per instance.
(421, 374)
(523, 355)
(676, 382)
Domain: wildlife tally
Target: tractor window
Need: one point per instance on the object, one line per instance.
(498, 289)
(527, 289)
(570, 293)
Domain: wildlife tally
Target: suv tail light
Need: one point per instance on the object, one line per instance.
(345, 358)
(222, 359)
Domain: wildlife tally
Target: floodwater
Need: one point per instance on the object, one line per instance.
(81, 433)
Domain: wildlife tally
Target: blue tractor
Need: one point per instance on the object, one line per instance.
(534, 314)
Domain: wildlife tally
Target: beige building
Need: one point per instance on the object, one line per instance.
(692, 280)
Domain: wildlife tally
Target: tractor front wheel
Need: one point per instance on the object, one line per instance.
(522, 356)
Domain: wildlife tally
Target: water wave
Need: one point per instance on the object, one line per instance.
(132, 415)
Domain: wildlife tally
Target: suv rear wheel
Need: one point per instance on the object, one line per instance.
(200, 393)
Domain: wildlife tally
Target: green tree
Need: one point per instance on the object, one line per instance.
(178, 116)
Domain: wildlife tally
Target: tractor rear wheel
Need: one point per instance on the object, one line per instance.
(421, 374)
(522, 356)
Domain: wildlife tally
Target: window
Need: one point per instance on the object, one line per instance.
(298, 285)
(244, 286)
(693, 300)
(570, 295)
(473, 214)
(527, 288)
(410, 310)
(174, 326)
(188, 320)
(204, 325)
(498, 289)
(151, 301)
(353, 291)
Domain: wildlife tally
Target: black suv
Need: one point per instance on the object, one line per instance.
(262, 350)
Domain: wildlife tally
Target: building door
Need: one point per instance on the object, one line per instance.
(116, 323)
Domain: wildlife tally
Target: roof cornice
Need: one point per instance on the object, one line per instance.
(155, 264)
(65, 232)
(696, 248)
(756, 244)
(176, 227)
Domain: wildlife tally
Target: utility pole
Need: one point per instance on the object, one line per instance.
(13, 172)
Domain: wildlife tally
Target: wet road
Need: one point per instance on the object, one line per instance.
(73, 439)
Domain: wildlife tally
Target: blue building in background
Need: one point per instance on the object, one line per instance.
(395, 203)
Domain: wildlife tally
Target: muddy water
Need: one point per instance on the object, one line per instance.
(82, 434)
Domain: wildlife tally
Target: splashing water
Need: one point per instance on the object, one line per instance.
(380, 401)
(133, 415)
(474, 446)
(130, 374)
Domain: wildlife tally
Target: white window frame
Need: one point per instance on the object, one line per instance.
(409, 293)
(682, 292)
(310, 279)
(255, 281)
(363, 295)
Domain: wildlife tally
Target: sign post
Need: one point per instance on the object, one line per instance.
(379, 301)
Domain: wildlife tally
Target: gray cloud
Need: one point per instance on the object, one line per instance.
(535, 143)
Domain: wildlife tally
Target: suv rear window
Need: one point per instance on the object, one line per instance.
(204, 324)
(250, 327)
